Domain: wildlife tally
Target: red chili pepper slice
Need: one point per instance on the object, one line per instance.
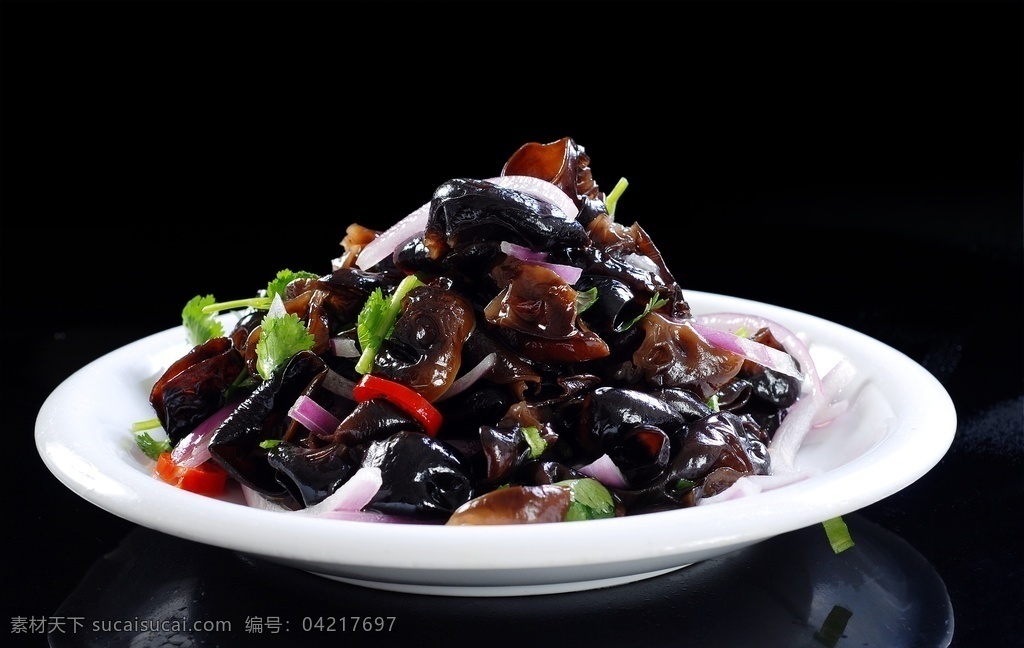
(208, 478)
(411, 401)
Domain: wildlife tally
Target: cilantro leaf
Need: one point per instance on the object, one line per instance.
(370, 320)
(590, 500)
(284, 277)
(200, 326)
(654, 304)
(150, 446)
(282, 335)
(377, 319)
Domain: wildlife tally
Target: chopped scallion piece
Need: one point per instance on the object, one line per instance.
(684, 485)
(838, 534)
(585, 299)
(535, 440)
(612, 198)
(834, 626)
(147, 424)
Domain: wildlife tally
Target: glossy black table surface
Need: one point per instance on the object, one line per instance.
(886, 199)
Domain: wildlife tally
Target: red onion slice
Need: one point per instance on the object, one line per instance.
(753, 484)
(802, 416)
(311, 415)
(350, 497)
(604, 470)
(788, 339)
(569, 274)
(256, 500)
(522, 253)
(194, 449)
(353, 495)
(388, 241)
(542, 190)
(467, 379)
(762, 354)
(345, 347)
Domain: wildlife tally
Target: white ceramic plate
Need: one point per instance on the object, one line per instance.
(899, 426)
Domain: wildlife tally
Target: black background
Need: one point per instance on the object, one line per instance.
(857, 161)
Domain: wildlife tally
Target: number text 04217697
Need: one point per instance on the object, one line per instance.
(348, 623)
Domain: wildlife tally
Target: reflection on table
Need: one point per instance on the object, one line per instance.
(788, 591)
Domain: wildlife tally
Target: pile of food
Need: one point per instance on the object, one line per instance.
(508, 353)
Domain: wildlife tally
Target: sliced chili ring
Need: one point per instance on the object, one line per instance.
(205, 479)
(409, 400)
